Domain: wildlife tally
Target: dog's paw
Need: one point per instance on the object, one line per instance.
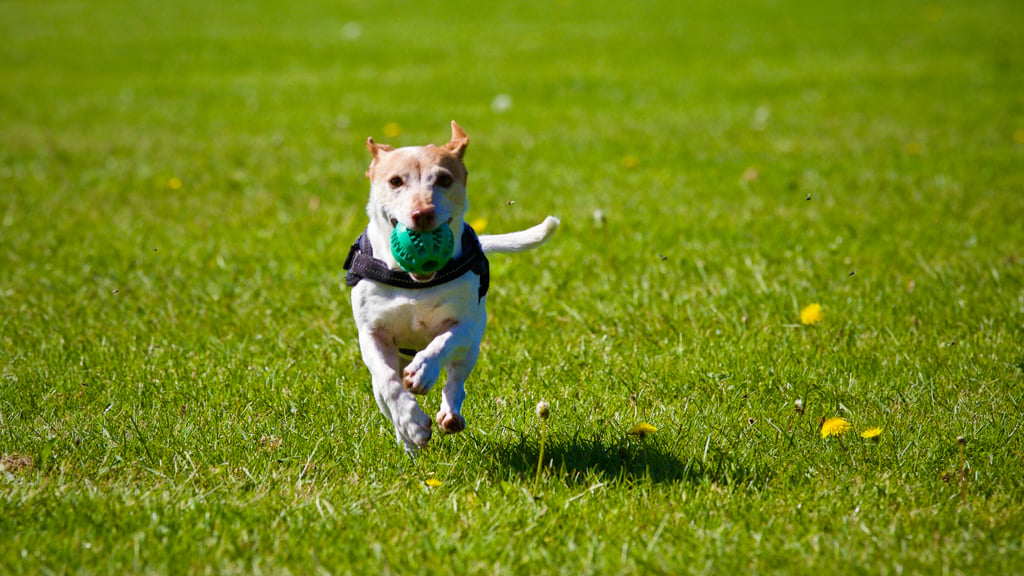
(451, 422)
(419, 376)
(415, 431)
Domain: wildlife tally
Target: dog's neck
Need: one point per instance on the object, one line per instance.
(379, 233)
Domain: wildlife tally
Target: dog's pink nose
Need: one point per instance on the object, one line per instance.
(423, 218)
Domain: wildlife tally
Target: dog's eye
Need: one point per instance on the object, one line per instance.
(443, 180)
(396, 181)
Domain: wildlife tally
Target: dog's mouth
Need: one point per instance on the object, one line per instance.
(394, 222)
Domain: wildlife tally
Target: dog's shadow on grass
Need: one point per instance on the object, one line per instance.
(579, 459)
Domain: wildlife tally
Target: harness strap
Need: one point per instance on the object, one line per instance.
(361, 264)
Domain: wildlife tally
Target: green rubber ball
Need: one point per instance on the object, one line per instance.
(422, 252)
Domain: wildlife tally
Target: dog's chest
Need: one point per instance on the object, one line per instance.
(412, 318)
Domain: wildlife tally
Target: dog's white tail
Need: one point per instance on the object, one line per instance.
(522, 240)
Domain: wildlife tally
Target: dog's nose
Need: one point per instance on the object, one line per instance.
(423, 218)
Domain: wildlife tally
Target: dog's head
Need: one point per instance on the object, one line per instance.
(422, 187)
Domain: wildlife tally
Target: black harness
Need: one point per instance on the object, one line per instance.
(361, 264)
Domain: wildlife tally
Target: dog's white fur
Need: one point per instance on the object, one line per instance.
(424, 187)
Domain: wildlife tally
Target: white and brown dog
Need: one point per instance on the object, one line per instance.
(412, 326)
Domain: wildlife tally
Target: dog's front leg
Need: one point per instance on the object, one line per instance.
(412, 426)
(449, 417)
(423, 371)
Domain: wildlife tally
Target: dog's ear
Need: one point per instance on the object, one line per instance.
(375, 149)
(457, 145)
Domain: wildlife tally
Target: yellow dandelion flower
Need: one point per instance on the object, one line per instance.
(834, 427)
(871, 433)
(174, 183)
(478, 224)
(913, 148)
(810, 314)
(629, 161)
(392, 130)
(432, 482)
(642, 429)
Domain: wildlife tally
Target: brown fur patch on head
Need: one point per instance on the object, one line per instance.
(404, 161)
(448, 155)
(450, 161)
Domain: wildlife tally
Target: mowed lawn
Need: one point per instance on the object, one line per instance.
(180, 385)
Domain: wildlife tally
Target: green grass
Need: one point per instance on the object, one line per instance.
(181, 366)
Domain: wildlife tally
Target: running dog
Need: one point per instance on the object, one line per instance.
(413, 325)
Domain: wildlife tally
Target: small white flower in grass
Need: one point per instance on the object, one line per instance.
(543, 410)
(761, 116)
(501, 103)
(351, 31)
